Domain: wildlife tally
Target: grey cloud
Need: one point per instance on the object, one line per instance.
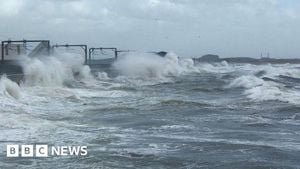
(188, 27)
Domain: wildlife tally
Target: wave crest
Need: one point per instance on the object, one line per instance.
(9, 88)
(148, 65)
(56, 70)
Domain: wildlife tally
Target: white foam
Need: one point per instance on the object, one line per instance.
(258, 89)
(147, 65)
(270, 70)
(55, 70)
(83, 93)
(174, 127)
(246, 81)
(276, 70)
(269, 92)
(102, 76)
(9, 88)
(222, 67)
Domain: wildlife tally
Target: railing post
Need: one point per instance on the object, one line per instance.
(90, 55)
(48, 47)
(85, 54)
(116, 53)
(2, 51)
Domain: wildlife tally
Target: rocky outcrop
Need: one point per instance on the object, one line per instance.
(208, 58)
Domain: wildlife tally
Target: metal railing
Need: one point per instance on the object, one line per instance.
(84, 47)
(4, 45)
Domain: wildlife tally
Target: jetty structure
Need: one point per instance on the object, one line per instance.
(107, 56)
(100, 58)
(80, 46)
(97, 58)
(12, 49)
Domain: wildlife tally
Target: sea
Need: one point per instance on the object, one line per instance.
(153, 112)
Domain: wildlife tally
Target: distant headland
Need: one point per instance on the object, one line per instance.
(209, 58)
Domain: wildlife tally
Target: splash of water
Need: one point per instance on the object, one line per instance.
(148, 65)
(258, 89)
(56, 70)
(246, 81)
(9, 88)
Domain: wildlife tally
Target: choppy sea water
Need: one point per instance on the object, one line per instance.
(155, 113)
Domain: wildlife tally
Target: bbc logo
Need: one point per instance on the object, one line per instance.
(44, 151)
(27, 151)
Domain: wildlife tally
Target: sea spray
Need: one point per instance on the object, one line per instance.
(102, 76)
(9, 88)
(222, 67)
(55, 70)
(146, 65)
(140, 65)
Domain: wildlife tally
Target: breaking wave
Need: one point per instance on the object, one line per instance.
(246, 81)
(271, 85)
(56, 70)
(144, 65)
(258, 82)
(269, 92)
(9, 88)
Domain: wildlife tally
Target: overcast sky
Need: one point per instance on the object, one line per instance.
(187, 27)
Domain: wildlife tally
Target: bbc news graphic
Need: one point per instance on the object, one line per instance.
(45, 151)
(149, 84)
